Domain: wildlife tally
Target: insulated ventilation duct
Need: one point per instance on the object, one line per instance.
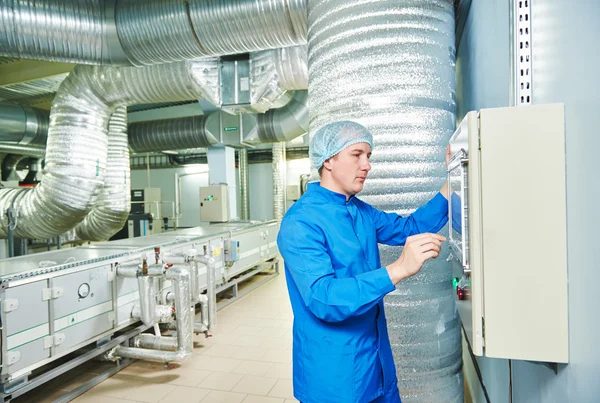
(76, 153)
(244, 184)
(283, 124)
(114, 202)
(274, 72)
(391, 67)
(134, 32)
(278, 180)
(170, 134)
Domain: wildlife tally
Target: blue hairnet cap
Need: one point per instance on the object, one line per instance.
(332, 138)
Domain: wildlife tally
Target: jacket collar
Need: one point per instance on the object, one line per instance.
(316, 190)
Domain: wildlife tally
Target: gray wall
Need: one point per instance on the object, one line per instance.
(565, 60)
(260, 192)
(165, 180)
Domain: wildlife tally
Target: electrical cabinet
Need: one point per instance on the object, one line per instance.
(508, 232)
(214, 205)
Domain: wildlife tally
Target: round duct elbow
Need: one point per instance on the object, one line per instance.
(170, 134)
(284, 124)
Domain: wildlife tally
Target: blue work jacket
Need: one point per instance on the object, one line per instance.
(341, 348)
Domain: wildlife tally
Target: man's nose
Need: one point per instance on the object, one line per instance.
(366, 165)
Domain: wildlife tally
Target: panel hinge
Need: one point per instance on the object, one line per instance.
(52, 293)
(9, 305)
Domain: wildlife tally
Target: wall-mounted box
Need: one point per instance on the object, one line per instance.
(507, 174)
(214, 205)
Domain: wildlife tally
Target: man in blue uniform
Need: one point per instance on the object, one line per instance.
(328, 240)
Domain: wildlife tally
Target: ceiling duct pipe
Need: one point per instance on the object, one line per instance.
(77, 146)
(27, 150)
(23, 125)
(110, 212)
(275, 71)
(130, 32)
(170, 134)
(283, 124)
(390, 66)
(244, 184)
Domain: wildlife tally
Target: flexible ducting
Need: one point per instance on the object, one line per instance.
(23, 125)
(149, 32)
(244, 184)
(77, 151)
(114, 202)
(275, 71)
(390, 66)
(278, 180)
(283, 124)
(170, 134)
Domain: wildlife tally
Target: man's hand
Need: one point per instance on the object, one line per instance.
(417, 250)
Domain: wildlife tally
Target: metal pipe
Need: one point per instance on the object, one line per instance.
(211, 288)
(28, 150)
(170, 134)
(132, 32)
(278, 180)
(244, 183)
(20, 124)
(153, 342)
(146, 310)
(203, 325)
(180, 277)
(283, 124)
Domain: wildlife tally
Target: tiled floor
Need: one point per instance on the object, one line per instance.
(248, 360)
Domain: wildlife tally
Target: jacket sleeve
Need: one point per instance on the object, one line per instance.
(393, 229)
(329, 298)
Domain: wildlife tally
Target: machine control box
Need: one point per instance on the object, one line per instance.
(507, 178)
(214, 204)
(232, 250)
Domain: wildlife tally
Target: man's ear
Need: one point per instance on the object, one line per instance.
(327, 164)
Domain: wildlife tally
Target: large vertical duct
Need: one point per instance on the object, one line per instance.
(148, 32)
(390, 66)
(244, 183)
(114, 202)
(76, 152)
(278, 180)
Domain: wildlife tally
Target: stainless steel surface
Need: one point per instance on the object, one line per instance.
(23, 124)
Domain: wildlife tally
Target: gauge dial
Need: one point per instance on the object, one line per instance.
(84, 290)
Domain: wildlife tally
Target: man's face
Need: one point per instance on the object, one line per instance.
(349, 168)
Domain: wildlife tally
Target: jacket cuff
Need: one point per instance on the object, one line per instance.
(383, 280)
